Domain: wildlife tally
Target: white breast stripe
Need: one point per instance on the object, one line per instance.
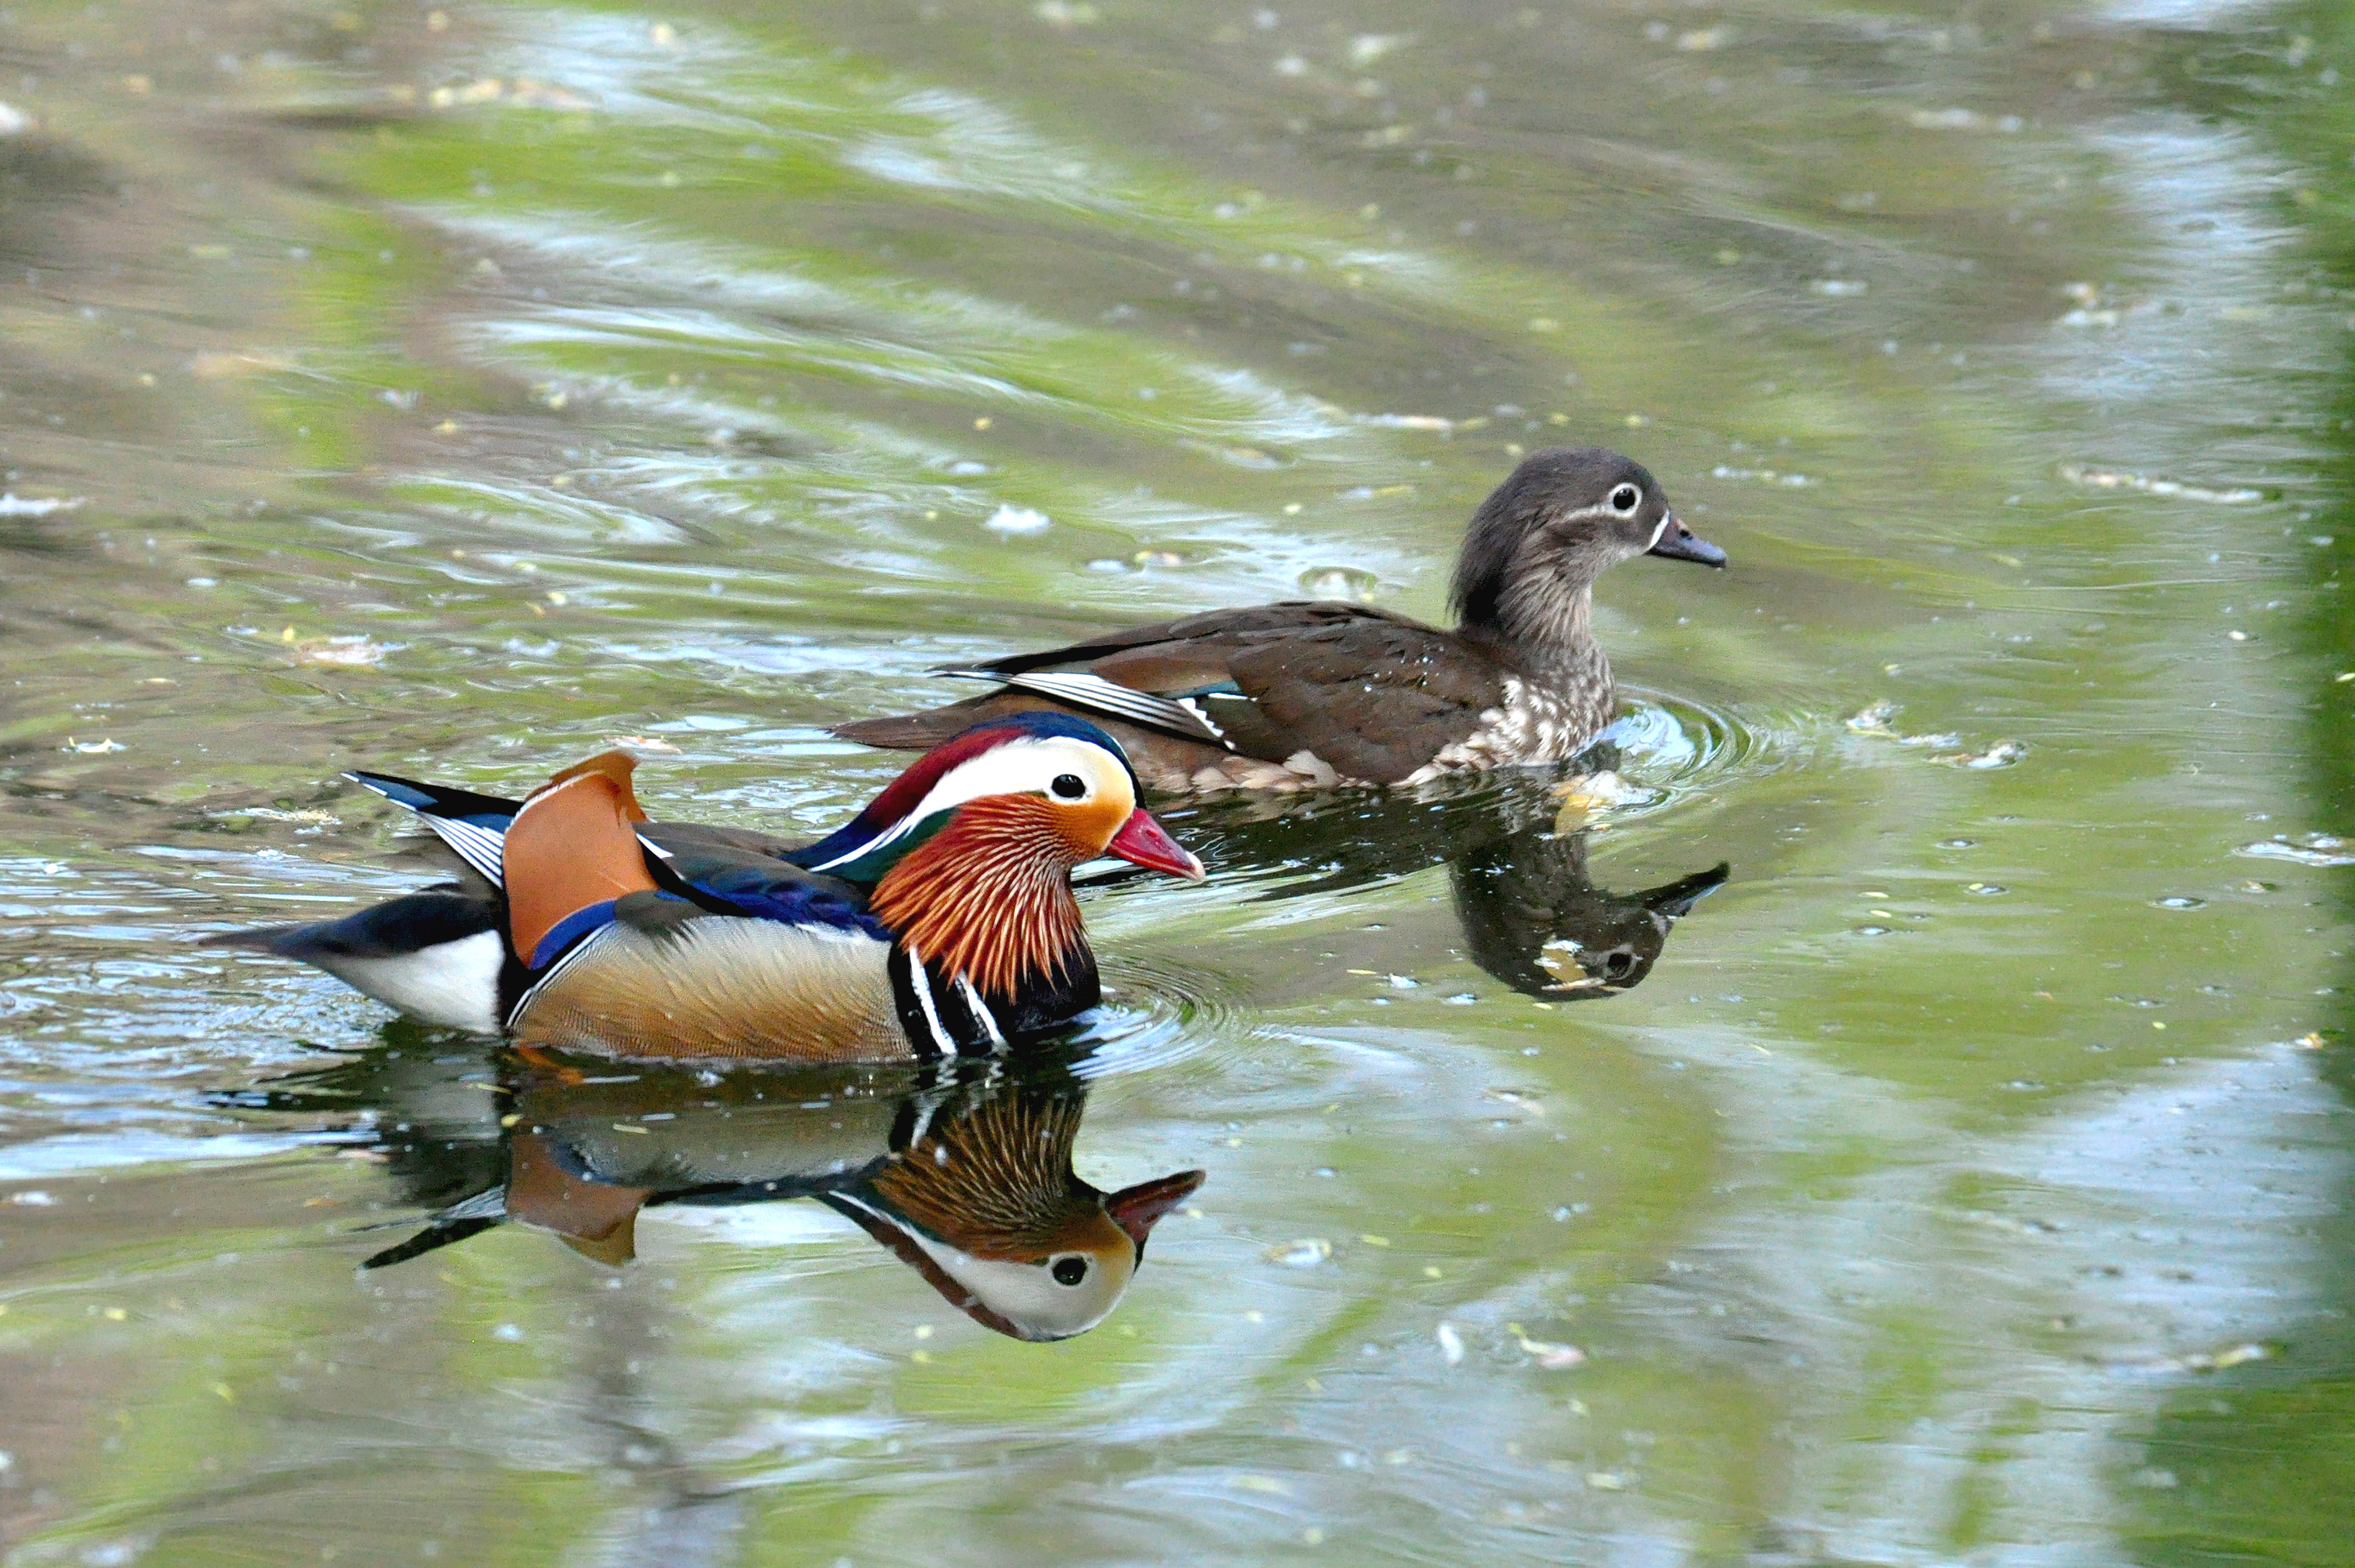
(1111, 697)
(981, 1010)
(572, 955)
(921, 984)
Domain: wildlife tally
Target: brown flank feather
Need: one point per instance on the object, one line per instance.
(989, 896)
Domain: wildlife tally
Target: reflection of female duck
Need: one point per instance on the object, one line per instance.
(1530, 915)
(966, 1178)
(1532, 918)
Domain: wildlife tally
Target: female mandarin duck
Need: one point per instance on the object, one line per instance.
(939, 921)
(1303, 695)
(967, 1179)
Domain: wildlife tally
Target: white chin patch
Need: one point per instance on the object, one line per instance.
(1026, 1294)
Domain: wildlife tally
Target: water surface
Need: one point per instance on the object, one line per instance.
(1959, 1175)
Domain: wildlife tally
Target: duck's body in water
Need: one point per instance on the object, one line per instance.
(938, 921)
(1318, 694)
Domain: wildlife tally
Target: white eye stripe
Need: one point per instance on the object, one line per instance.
(1026, 766)
(1662, 532)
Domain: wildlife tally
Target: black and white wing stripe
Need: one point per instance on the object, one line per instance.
(484, 848)
(1092, 693)
(480, 846)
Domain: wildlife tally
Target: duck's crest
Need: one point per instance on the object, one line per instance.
(887, 816)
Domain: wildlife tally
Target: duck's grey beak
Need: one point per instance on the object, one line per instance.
(1679, 542)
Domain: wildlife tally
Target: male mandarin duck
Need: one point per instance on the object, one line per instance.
(968, 1182)
(939, 920)
(1302, 695)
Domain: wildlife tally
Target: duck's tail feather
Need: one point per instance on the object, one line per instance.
(473, 825)
(437, 955)
(435, 1236)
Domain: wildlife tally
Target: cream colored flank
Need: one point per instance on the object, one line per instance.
(722, 985)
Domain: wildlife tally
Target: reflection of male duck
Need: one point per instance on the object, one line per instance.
(965, 1175)
(1530, 914)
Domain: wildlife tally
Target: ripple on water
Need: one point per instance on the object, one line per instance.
(1675, 746)
(1155, 1012)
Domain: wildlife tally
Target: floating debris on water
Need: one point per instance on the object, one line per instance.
(2002, 755)
(1549, 1355)
(1349, 582)
(350, 651)
(523, 92)
(1017, 521)
(1307, 1252)
(2320, 849)
(15, 505)
(1875, 720)
(1963, 119)
(1589, 793)
(2125, 479)
(1451, 1344)
(308, 816)
(2207, 1360)
(1839, 288)
(2180, 900)
(92, 748)
(1770, 475)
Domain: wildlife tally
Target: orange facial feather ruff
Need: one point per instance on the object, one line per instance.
(989, 897)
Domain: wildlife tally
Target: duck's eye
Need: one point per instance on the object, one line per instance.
(1625, 498)
(1068, 1271)
(1068, 786)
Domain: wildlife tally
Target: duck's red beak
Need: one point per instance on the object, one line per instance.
(1135, 1209)
(1145, 842)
